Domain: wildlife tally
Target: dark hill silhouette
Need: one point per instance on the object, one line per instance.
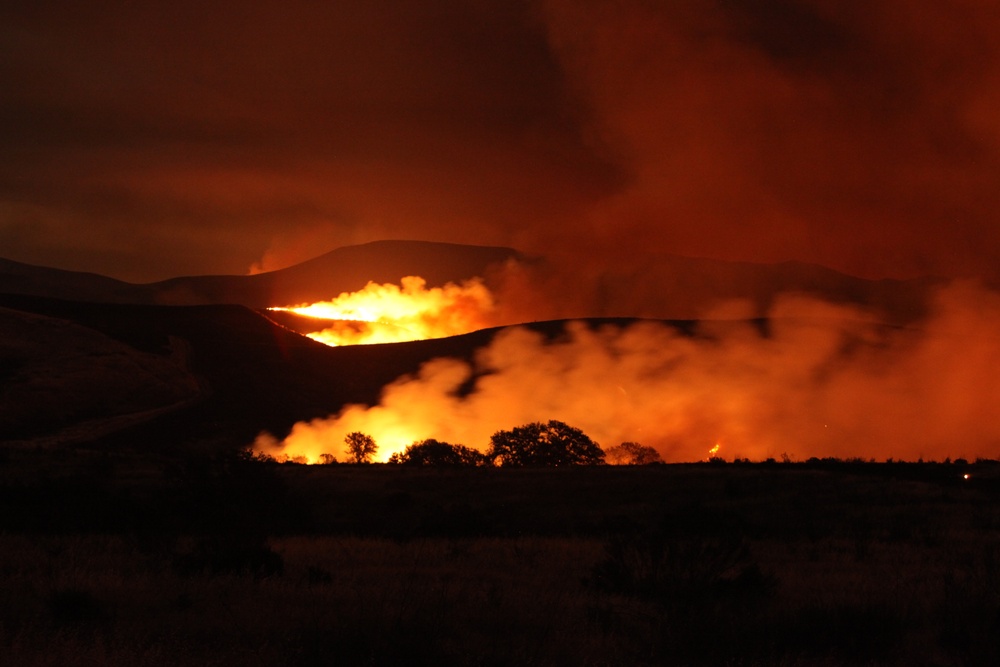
(61, 382)
(661, 286)
(341, 270)
(253, 374)
(18, 278)
(675, 287)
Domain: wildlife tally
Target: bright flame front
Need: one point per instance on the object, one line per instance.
(390, 313)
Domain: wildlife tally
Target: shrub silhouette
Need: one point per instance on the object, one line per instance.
(632, 454)
(537, 444)
(436, 453)
(230, 555)
(361, 447)
(680, 572)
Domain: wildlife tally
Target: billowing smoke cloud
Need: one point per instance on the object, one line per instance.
(147, 141)
(855, 135)
(815, 380)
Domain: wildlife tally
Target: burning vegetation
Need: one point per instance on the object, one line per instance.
(390, 313)
(812, 380)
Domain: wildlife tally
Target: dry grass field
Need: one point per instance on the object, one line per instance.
(125, 560)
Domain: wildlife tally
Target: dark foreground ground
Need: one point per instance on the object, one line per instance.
(126, 560)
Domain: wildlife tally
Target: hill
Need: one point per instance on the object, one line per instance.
(19, 278)
(344, 269)
(676, 287)
(253, 374)
(660, 286)
(85, 357)
(64, 382)
(230, 372)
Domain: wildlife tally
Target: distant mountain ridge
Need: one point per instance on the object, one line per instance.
(678, 287)
(206, 368)
(31, 280)
(342, 270)
(659, 286)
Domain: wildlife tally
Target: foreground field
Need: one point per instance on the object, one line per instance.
(121, 561)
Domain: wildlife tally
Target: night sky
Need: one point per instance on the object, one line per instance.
(147, 142)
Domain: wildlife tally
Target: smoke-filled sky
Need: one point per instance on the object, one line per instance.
(144, 141)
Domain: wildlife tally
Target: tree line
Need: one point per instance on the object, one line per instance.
(553, 443)
(556, 443)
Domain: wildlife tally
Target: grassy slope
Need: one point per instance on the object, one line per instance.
(67, 382)
(255, 374)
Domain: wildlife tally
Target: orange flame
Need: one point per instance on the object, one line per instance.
(396, 313)
(301, 445)
(930, 391)
(714, 450)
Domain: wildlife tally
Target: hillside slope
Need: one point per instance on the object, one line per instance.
(245, 374)
(61, 382)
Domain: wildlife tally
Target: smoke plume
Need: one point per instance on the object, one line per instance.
(813, 379)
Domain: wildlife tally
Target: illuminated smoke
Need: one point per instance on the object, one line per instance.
(817, 380)
(395, 313)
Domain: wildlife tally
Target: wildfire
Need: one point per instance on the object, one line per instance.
(303, 446)
(390, 313)
(759, 394)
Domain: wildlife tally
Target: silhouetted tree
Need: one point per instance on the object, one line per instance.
(551, 444)
(361, 447)
(633, 454)
(436, 453)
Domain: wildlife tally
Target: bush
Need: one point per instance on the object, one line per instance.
(551, 444)
(230, 555)
(680, 573)
(436, 453)
(633, 454)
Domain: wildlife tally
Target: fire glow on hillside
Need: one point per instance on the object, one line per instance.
(823, 380)
(390, 313)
